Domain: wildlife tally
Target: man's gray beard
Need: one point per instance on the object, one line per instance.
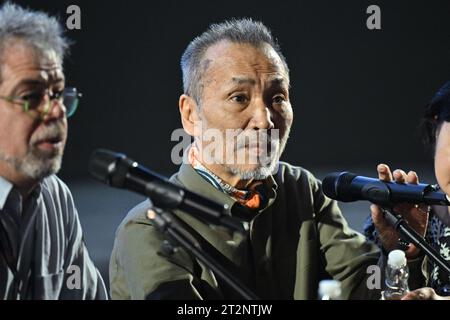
(264, 171)
(35, 165)
(260, 173)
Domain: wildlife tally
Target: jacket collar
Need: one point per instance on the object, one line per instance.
(194, 182)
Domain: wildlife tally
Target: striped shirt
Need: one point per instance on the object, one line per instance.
(42, 252)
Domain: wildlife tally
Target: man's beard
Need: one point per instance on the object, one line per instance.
(269, 164)
(266, 166)
(259, 173)
(38, 164)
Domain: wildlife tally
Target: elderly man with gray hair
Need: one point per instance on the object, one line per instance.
(236, 78)
(42, 252)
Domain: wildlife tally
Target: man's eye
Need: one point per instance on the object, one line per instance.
(278, 99)
(33, 98)
(57, 94)
(240, 98)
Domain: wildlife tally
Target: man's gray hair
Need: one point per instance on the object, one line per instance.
(35, 28)
(236, 30)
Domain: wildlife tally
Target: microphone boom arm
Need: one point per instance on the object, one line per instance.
(413, 237)
(173, 227)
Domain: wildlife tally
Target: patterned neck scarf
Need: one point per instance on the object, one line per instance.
(254, 197)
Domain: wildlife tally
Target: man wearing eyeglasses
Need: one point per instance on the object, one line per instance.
(42, 252)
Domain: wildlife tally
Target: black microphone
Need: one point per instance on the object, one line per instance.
(117, 170)
(348, 187)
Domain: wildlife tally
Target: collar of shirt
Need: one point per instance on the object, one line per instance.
(5, 189)
(255, 197)
(193, 181)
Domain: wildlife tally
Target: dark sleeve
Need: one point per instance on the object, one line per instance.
(81, 280)
(349, 256)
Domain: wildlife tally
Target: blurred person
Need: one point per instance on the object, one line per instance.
(42, 251)
(436, 135)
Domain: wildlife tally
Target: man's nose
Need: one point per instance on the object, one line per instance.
(57, 110)
(262, 116)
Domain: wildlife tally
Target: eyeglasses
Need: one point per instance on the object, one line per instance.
(37, 104)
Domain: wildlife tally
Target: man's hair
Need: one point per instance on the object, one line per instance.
(436, 112)
(34, 28)
(236, 30)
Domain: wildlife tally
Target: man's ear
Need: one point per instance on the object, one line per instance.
(189, 113)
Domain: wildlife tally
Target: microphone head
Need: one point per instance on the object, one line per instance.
(105, 165)
(337, 186)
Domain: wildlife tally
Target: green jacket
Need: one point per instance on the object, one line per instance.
(298, 239)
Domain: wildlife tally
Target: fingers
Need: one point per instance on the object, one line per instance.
(400, 176)
(378, 216)
(421, 294)
(384, 173)
(410, 296)
(388, 235)
(412, 177)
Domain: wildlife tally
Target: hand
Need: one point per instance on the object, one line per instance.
(423, 294)
(415, 215)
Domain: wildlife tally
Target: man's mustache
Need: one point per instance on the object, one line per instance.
(55, 131)
(257, 140)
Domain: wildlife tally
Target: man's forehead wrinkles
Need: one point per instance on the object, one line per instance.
(242, 80)
(53, 71)
(232, 67)
(276, 79)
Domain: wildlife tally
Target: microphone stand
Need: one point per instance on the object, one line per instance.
(119, 171)
(181, 234)
(413, 237)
